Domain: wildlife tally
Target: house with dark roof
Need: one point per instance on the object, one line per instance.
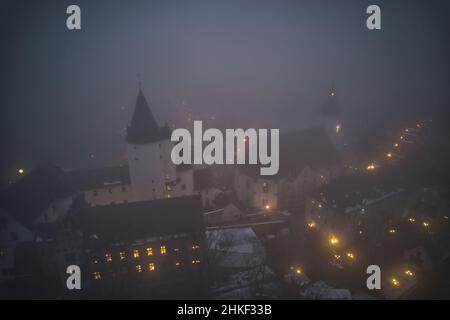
(308, 159)
(145, 249)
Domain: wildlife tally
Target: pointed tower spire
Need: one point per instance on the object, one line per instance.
(331, 107)
(143, 128)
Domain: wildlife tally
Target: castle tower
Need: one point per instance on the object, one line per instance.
(148, 149)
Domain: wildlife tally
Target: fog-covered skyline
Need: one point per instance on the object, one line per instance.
(67, 95)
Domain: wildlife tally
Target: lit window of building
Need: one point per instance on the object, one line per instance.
(139, 268)
(97, 275)
(108, 257)
(135, 253)
(149, 251)
(151, 266)
(163, 250)
(122, 255)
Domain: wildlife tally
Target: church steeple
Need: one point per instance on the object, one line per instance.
(331, 107)
(143, 128)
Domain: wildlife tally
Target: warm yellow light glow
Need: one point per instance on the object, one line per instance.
(406, 130)
(267, 207)
(151, 266)
(334, 240)
(139, 268)
(412, 220)
(392, 231)
(195, 247)
(409, 273)
(298, 271)
(350, 255)
(135, 253)
(177, 264)
(21, 171)
(425, 224)
(97, 275)
(149, 251)
(395, 282)
(108, 257)
(337, 257)
(312, 224)
(163, 250)
(338, 128)
(371, 167)
(389, 155)
(396, 145)
(122, 255)
(401, 138)
(195, 261)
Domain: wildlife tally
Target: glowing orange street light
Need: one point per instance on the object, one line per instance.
(395, 282)
(409, 273)
(334, 240)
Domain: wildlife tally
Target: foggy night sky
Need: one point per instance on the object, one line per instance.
(67, 94)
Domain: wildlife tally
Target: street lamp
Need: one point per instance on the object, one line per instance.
(409, 273)
(395, 282)
(334, 240)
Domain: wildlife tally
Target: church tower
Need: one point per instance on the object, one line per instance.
(148, 149)
(331, 118)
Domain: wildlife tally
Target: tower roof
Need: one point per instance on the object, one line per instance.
(331, 107)
(143, 128)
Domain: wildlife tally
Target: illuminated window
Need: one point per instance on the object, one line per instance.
(108, 257)
(122, 255)
(95, 261)
(139, 268)
(135, 253)
(149, 251)
(151, 266)
(97, 275)
(163, 250)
